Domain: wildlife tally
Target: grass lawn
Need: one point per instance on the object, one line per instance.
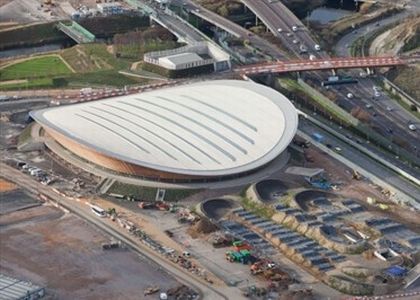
(38, 67)
(136, 51)
(149, 193)
(92, 57)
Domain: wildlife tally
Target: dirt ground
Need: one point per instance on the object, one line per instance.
(152, 222)
(63, 253)
(6, 186)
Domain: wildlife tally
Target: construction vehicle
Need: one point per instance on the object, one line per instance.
(160, 205)
(151, 290)
(243, 256)
(146, 205)
(260, 266)
(269, 270)
(356, 175)
(220, 241)
(239, 245)
(186, 216)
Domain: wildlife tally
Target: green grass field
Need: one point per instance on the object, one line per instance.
(40, 67)
(92, 57)
(148, 193)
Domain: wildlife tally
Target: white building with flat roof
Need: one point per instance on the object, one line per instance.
(190, 56)
(183, 61)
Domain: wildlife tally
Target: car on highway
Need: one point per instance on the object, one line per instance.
(369, 106)
(303, 48)
(312, 57)
(389, 108)
(295, 41)
(337, 149)
(350, 95)
(377, 94)
(289, 34)
(279, 30)
(294, 28)
(317, 47)
(412, 127)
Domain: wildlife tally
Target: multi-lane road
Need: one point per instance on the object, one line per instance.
(280, 20)
(230, 27)
(388, 117)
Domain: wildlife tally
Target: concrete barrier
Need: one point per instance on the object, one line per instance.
(394, 89)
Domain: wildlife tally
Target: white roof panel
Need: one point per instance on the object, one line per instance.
(182, 58)
(209, 128)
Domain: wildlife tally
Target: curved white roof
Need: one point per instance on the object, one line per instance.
(209, 128)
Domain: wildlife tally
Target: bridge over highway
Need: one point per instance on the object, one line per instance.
(280, 20)
(229, 27)
(322, 64)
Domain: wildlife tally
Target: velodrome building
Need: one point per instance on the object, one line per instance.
(202, 132)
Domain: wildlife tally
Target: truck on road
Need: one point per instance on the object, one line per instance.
(317, 137)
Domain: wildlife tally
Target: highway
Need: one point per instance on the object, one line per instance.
(231, 27)
(206, 290)
(275, 15)
(184, 32)
(388, 113)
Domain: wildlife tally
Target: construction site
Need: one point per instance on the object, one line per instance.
(308, 231)
(312, 223)
(103, 267)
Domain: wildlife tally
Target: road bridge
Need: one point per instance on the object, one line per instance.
(78, 33)
(280, 21)
(321, 64)
(183, 31)
(229, 27)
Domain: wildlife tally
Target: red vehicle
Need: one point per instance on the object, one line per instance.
(239, 245)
